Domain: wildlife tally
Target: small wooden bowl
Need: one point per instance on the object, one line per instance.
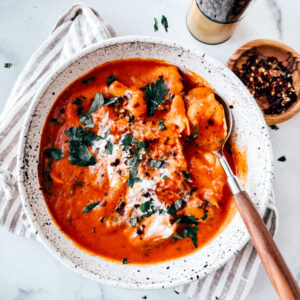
(283, 53)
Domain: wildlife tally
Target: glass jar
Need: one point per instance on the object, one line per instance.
(214, 21)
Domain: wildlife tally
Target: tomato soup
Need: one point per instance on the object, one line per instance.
(126, 164)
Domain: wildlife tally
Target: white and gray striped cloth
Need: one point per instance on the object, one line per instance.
(78, 28)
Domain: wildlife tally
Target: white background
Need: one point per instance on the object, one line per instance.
(27, 270)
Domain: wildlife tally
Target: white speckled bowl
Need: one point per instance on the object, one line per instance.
(251, 131)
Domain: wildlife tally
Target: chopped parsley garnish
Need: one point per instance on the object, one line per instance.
(79, 139)
(145, 206)
(86, 119)
(80, 155)
(94, 230)
(108, 148)
(191, 138)
(186, 175)
(164, 177)
(90, 207)
(131, 143)
(133, 162)
(274, 127)
(155, 25)
(156, 164)
(112, 100)
(77, 101)
(164, 22)
(8, 65)
(174, 207)
(148, 210)
(204, 216)
(161, 125)
(88, 80)
(155, 95)
(111, 79)
(282, 158)
(125, 261)
(191, 232)
(55, 154)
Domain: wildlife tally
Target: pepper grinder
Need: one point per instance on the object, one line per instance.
(214, 21)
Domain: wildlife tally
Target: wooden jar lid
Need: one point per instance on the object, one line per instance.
(265, 48)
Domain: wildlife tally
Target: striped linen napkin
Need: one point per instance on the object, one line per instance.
(78, 28)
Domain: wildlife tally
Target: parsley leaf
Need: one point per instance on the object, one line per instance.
(80, 155)
(164, 22)
(86, 119)
(88, 80)
(145, 206)
(187, 219)
(108, 148)
(125, 261)
(155, 95)
(191, 232)
(79, 139)
(164, 177)
(274, 127)
(156, 164)
(174, 207)
(111, 79)
(90, 207)
(112, 100)
(8, 65)
(97, 103)
(133, 162)
(282, 158)
(155, 25)
(204, 216)
(56, 154)
(77, 101)
(161, 125)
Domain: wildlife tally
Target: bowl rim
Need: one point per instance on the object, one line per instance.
(36, 228)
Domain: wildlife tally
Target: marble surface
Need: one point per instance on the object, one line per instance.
(27, 270)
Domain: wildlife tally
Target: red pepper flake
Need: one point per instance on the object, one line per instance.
(268, 78)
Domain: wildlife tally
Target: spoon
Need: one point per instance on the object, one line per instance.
(277, 269)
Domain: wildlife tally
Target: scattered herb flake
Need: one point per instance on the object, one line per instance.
(144, 297)
(8, 65)
(90, 207)
(164, 22)
(55, 154)
(204, 216)
(89, 80)
(97, 103)
(156, 164)
(164, 177)
(274, 127)
(145, 206)
(94, 230)
(77, 101)
(108, 148)
(282, 158)
(111, 79)
(161, 125)
(155, 95)
(112, 100)
(79, 139)
(186, 175)
(174, 207)
(177, 237)
(155, 25)
(125, 261)
(191, 232)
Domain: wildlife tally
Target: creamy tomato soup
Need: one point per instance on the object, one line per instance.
(126, 164)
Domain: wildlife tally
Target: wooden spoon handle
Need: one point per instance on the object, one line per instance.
(277, 269)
